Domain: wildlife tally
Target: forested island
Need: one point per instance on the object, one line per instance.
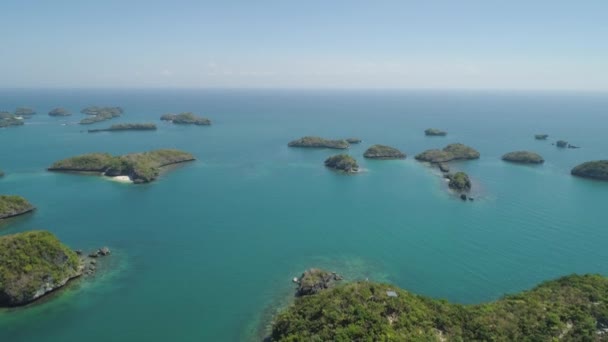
(523, 157)
(139, 167)
(450, 152)
(343, 163)
(186, 119)
(572, 308)
(11, 205)
(383, 152)
(99, 114)
(597, 169)
(126, 127)
(59, 112)
(317, 142)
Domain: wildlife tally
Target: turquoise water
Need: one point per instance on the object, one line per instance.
(208, 251)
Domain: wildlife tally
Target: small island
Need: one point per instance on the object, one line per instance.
(353, 140)
(597, 169)
(523, 157)
(343, 163)
(24, 112)
(99, 114)
(541, 136)
(383, 152)
(126, 127)
(571, 308)
(315, 280)
(11, 205)
(459, 182)
(317, 142)
(137, 167)
(434, 132)
(7, 120)
(449, 153)
(561, 144)
(59, 112)
(186, 119)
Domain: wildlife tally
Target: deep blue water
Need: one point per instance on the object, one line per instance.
(208, 251)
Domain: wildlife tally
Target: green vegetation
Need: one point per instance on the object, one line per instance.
(33, 264)
(60, 112)
(186, 119)
(524, 157)
(317, 142)
(98, 114)
(383, 152)
(459, 181)
(562, 143)
(572, 308)
(127, 127)
(24, 111)
(14, 205)
(541, 136)
(7, 119)
(449, 153)
(140, 167)
(343, 163)
(316, 280)
(435, 132)
(594, 169)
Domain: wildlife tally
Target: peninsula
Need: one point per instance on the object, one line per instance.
(317, 142)
(126, 127)
(139, 167)
(11, 205)
(343, 163)
(186, 119)
(597, 169)
(523, 157)
(449, 153)
(383, 152)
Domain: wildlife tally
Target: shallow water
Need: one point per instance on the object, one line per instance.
(209, 250)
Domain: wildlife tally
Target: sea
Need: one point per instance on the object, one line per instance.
(208, 251)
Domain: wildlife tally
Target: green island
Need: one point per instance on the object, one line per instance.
(186, 119)
(126, 127)
(541, 136)
(571, 308)
(60, 112)
(434, 132)
(353, 140)
(523, 157)
(24, 112)
(597, 169)
(317, 142)
(342, 163)
(139, 167)
(459, 181)
(7, 120)
(11, 205)
(99, 114)
(451, 152)
(383, 152)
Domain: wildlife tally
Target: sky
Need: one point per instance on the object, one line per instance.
(426, 44)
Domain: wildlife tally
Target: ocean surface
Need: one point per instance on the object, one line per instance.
(207, 253)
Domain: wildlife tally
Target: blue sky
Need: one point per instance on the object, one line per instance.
(466, 44)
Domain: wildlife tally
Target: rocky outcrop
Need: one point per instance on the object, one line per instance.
(597, 169)
(383, 152)
(60, 112)
(443, 167)
(449, 153)
(315, 280)
(434, 132)
(353, 140)
(7, 120)
(541, 136)
(25, 112)
(317, 142)
(343, 163)
(523, 157)
(561, 144)
(11, 206)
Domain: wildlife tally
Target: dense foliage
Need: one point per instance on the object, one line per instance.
(383, 152)
(127, 127)
(435, 132)
(525, 157)
(186, 119)
(459, 181)
(140, 167)
(30, 263)
(342, 162)
(449, 153)
(594, 169)
(11, 205)
(572, 308)
(60, 112)
(317, 142)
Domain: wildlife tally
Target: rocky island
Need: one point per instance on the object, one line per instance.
(561, 144)
(126, 127)
(315, 280)
(7, 120)
(11, 205)
(434, 132)
(186, 119)
(342, 163)
(459, 182)
(317, 142)
(353, 140)
(597, 169)
(138, 167)
(383, 152)
(541, 136)
(572, 308)
(99, 114)
(449, 153)
(25, 112)
(523, 157)
(60, 112)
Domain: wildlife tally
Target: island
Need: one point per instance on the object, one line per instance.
(597, 169)
(562, 144)
(99, 114)
(434, 132)
(383, 152)
(138, 167)
(459, 181)
(450, 152)
(317, 142)
(315, 280)
(11, 205)
(571, 308)
(353, 140)
(343, 163)
(7, 120)
(541, 136)
(186, 119)
(523, 157)
(24, 112)
(60, 112)
(126, 127)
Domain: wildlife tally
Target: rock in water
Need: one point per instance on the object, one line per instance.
(523, 157)
(315, 280)
(593, 169)
(342, 162)
(562, 144)
(435, 132)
